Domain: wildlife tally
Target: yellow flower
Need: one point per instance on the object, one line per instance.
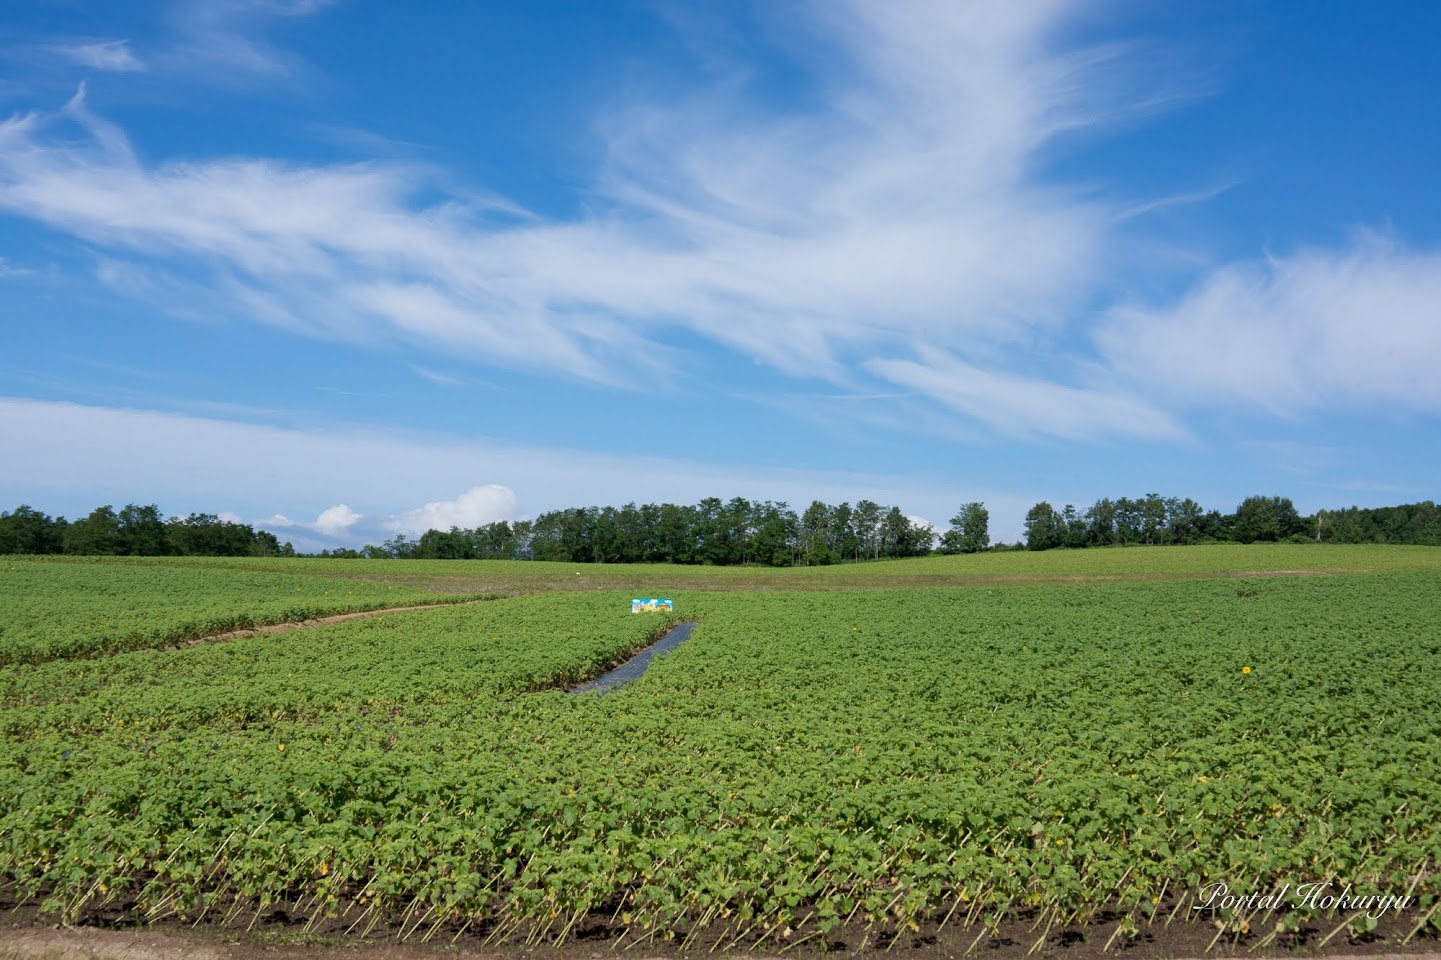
(1245, 669)
(281, 748)
(1200, 779)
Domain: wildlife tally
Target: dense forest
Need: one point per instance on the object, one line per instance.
(740, 531)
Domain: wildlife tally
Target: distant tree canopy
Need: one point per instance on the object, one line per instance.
(722, 533)
(135, 531)
(739, 531)
(1153, 519)
(1409, 523)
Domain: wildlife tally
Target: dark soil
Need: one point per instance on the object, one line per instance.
(26, 934)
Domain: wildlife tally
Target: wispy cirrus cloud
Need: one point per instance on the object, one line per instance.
(108, 55)
(900, 212)
(9, 270)
(1027, 406)
(219, 43)
(1358, 327)
(224, 40)
(902, 209)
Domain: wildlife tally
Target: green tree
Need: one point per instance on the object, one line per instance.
(1101, 523)
(142, 532)
(1267, 519)
(1073, 528)
(1151, 512)
(206, 535)
(906, 537)
(866, 521)
(268, 544)
(970, 530)
(677, 531)
(27, 530)
(814, 527)
(842, 535)
(98, 535)
(895, 529)
(399, 547)
(1044, 527)
(776, 537)
(1128, 520)
(1184, 520)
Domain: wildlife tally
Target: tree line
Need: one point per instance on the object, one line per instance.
(741, 531)
(721, 533)
(1156, 520)
(135, 531)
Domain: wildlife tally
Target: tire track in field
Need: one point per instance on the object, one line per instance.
(290, 625)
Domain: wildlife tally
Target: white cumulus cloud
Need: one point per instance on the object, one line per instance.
(475, 507)
(336, 521)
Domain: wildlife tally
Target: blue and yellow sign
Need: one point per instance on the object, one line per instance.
(652, 606)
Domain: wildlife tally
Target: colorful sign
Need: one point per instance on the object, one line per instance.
(651, 606)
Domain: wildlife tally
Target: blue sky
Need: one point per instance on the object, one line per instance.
(347, 269)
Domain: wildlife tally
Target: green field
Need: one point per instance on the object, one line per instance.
(1055, 737)
(56, 608)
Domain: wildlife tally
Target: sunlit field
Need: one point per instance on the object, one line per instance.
(942, 747)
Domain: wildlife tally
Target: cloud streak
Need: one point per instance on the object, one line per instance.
(113, 56)
(360, 482)
(904, 209)
(897, 231)
(1342, 329)
(1025, 407)
(222, 40)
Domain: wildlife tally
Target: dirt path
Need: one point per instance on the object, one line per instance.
(91, 943)
(316, 622)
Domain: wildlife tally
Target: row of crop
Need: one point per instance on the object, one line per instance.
(416, 821)
(893, 758)
(439, 656)
(58, 610)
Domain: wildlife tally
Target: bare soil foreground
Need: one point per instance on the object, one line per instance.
(22, 939)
